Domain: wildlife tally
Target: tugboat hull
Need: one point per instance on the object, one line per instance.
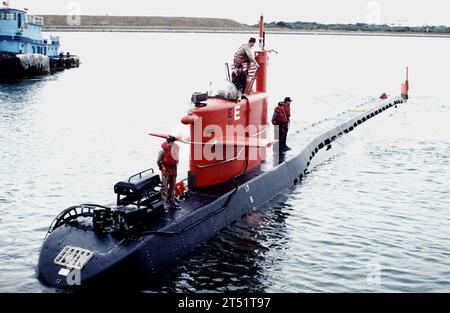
(28, 65)
(23, 65)
(61, 63)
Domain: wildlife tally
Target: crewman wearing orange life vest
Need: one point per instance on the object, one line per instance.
(167, 163)
(245, 54)
(280, 119)
(287, 109)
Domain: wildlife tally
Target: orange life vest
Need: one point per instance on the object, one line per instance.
(281, 118)
(180, 188)
(170, 159)
(287, 110)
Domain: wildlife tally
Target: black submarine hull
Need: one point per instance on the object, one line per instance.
(202, 216)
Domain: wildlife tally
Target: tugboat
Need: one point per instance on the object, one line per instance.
(87, 243)
(23, 50)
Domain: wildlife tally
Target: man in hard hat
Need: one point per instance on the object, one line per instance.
(245, 54)
(168, 163)
(280, 120)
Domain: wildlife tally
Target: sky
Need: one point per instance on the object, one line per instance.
(403, 12)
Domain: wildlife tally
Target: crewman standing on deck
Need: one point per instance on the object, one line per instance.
(168, 163)
(245, 54)
(280, 120)
(287, 109)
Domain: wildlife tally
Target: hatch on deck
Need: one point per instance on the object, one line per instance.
(73, 257)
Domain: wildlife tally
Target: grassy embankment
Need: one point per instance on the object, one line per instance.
(192, 24)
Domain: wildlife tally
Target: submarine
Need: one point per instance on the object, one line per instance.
(232, 171)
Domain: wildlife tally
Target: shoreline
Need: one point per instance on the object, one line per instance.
(241, 31)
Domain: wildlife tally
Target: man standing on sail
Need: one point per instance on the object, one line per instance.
(239, 79)
(245, 54)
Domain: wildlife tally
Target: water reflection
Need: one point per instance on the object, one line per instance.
(22, 91)
(234, 261)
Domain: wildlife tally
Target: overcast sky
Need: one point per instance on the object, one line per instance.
(431, 12)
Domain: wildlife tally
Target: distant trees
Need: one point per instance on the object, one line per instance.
(359, 27)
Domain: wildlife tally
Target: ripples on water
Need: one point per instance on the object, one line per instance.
(381, 202)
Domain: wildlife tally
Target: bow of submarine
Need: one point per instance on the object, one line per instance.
(108, 254)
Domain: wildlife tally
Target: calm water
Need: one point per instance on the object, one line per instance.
(374, 217)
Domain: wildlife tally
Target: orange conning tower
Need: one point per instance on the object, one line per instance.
(228, 138)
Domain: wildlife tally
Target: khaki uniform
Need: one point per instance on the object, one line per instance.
(244, 55)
